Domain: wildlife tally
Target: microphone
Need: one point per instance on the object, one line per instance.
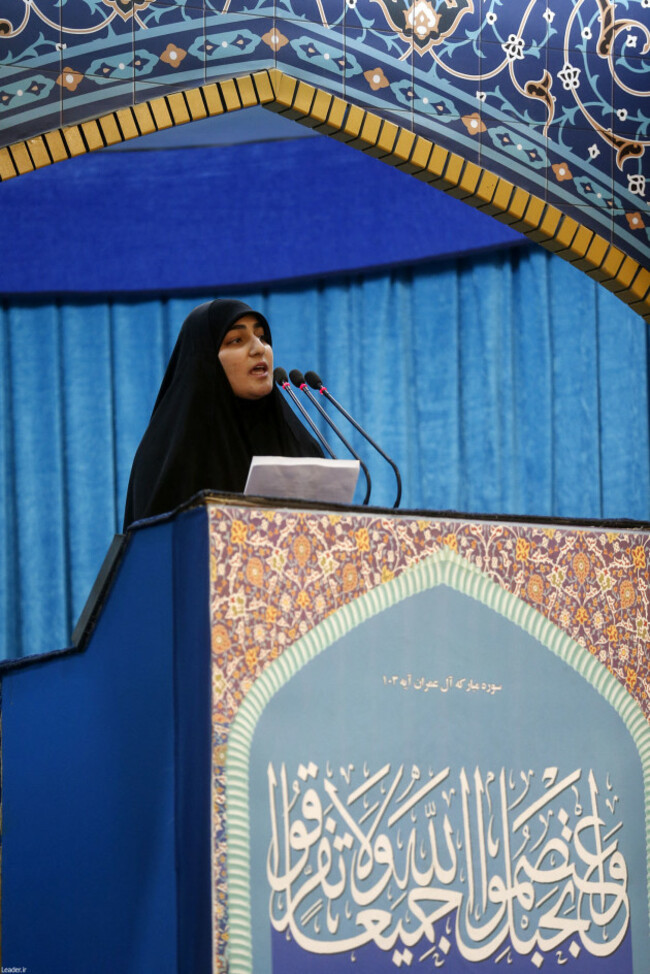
(282, 379)
(316, 383)
(298, 380)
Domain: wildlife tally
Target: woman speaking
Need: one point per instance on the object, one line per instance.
(217, 408)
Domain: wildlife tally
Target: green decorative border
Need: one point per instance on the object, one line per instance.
(442, 568)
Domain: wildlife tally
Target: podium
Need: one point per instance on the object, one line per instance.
(296, 739)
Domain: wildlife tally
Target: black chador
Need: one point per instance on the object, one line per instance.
(200, 435)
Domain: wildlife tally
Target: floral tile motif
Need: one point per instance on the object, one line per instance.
(249, 8)
(313, 54)
(527, 148)
(25, 86)
(274, 575)
(236, 45)
(83, 19)
(582, 88)
(329, 14)
(27, 39)
(631, 97)
(373, 76)
(88, 67)
(517, 25)
(528, 99)
(569, 185)
(168, 46)
(171, 13)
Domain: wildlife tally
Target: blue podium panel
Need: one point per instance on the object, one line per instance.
(92, 762)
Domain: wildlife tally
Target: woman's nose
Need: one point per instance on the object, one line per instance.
(257, 345)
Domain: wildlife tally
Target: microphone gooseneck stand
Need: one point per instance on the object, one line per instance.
(298, 380)
(282, 379)
(316, 383)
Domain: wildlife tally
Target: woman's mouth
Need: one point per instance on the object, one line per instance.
(261, 369)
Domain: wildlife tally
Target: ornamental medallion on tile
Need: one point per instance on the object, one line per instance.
(425, 23)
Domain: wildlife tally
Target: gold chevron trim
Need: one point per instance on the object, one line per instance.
(363, 130)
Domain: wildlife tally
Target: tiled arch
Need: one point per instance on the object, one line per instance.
(359, 128)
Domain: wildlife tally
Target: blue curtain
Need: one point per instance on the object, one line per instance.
(504, 384)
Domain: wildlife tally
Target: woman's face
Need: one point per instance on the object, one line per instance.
(247, 359)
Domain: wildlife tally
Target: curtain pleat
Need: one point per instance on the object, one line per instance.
(532, 430)
(506, 384)
(42, 547)
(623, 414)
(88, 446)
(9, 572)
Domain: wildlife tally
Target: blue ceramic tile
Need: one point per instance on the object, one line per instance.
(517, 153)
(85, 17)
(169, 48)
(373, 16)
(194, 5)
(169, 13)
(325, 13)
(34, 39)
(632, 182)
(386, 16)
(376, 73)
(629, 30)
(564, 20)
(631, 98)
(631, 232)
(581, 31)
(449, 76)
(97, 43)
(237, 44)
(28, 91)
(589, 161)
(517, 24)
(584, 169)
(253, 8)
(467, 135)
(423, 27)
(90, 100)
(376, 80)
(582, 89)
(313, 54)
(590, 182)
(582, 82)
(527, 99)
(97, 59)
(435, 101)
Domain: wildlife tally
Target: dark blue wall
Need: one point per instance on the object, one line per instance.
(228, 215)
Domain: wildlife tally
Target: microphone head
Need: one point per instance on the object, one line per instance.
(297, 377)
(313, 380)
(280, 376)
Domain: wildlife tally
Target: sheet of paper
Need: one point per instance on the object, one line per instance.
(303, 478)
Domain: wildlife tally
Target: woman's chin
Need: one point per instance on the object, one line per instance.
(256, 390)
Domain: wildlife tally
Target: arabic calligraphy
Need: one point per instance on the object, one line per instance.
(443, 686)
(406, 858)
